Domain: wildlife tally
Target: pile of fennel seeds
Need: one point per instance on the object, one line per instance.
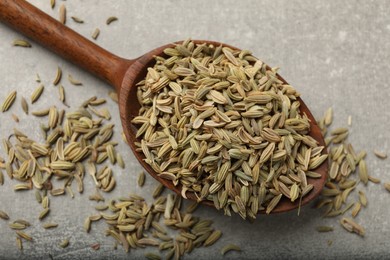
(164, 225)
(74, 143)
(344, 194)
(220, 123)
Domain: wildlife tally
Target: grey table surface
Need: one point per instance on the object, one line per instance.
(336, 53)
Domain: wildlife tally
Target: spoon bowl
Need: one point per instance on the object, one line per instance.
(123, 74)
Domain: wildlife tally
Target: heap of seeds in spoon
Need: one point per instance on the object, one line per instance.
(219, 122)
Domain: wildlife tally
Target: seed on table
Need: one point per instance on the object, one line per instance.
(141, 179)
(380, 155)
(24, 105)
(95, 34)
(73, 81)
(64, 243)
(77, 20)
(9, 100)
(62, 14)
(4, 215)
(230, 247)
(21, 43)
(111, 19)
(37, 93)
(58, 76)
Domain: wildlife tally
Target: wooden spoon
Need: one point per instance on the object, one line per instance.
(122, 74)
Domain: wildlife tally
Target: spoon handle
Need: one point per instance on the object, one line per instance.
(52, 34)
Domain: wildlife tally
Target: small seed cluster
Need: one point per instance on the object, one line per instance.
(135, 224)
(347, 170)
(18, 225)
(222, 124)
(75, 143)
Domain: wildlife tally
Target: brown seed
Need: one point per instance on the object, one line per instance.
(4, 215)
(15, 118)
(352, 226)
(77, 20)
(380, 155)
(114, 96)
(95, 34)
(24, 105)
(141, 179)
(356, 209)
(62, 14)
(387, 186)
(111, 19)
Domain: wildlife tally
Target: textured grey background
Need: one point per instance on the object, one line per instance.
(336, 53)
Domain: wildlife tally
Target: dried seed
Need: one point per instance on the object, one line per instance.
(37, 93)
(87, 224)
(230, 247)
(111, 19)
(77, 20)
(351, 226)
(9, 100)
(213, 238)
(387, 187)
(4, 215)
(24, 105)
(120, 161)
(349, 120)
(362, 198)
(17, 226)
(19, 243)
(95, 34)
(152, 256)
(273, 203)
(61, 92)
(24, 235)
(49, 225)
(114, 96)
(15, 118)
(324, 229)
(158, 190)
(44, 213)
(141, 179)
(74, 81)
(62, 14)
(58, 77)
(52, 3)
(363, 175)
(380, 155)
(21, 43)
(356, 209)
(329, 116)
(64, 243)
